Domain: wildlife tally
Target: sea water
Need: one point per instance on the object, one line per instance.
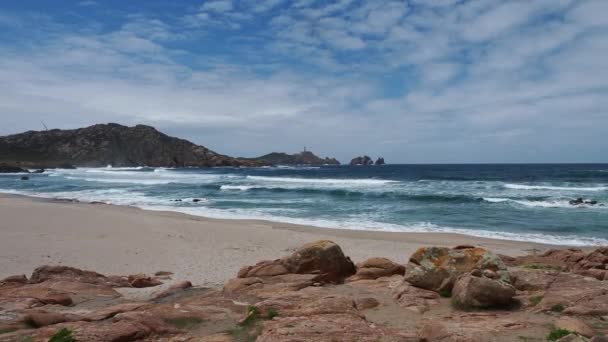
(515, 201)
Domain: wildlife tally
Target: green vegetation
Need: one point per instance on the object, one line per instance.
(535, 300)
(249, 329)
(543, 267)
(445, 293)
(6, 330)
(26, 339)
(557, 308)
(185, 323)
(272, 313)
(555, 334)
(63, 335)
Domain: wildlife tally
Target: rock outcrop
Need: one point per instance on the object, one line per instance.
(593, 264)
(302, 158)
(380, 161)
(365, 160)
(302, 297)
(108, 144)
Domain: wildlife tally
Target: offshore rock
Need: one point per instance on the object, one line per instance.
(365, 160)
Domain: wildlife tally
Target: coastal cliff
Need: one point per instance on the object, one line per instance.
(109, 144)
(302, 158)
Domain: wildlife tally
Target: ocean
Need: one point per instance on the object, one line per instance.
(515, 201)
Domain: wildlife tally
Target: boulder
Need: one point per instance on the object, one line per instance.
(481, 292)
(323, 258)
(380, 161)
(142, 280)
(437, 268)
(375, 268)
(45, 273)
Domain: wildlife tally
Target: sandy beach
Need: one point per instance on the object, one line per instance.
(125, 240)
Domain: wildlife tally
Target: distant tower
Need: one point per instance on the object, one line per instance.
(304, 148)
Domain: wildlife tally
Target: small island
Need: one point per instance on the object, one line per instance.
(302, 158)
(367, 160)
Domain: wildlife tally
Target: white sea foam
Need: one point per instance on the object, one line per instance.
(543, 204)
(356, 224)
(557, 188)
(237, 187)
(336, 181)
(127, 197)
(130, 176)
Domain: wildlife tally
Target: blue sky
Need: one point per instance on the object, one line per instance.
(416, 81)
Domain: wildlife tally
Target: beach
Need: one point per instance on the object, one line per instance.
(123, 240)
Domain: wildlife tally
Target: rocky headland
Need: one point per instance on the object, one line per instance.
(302, 158)
(317, 293)
(108, 144)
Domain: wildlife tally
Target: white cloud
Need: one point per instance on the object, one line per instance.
(217, 6)
(407, 79)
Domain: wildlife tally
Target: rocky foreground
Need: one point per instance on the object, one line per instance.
(317, 293)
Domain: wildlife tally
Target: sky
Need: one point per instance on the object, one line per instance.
(414, 81)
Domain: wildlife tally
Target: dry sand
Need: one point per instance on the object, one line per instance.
(123, 240)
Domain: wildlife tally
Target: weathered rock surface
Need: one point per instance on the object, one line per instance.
(481, 292)
(436, 268)
(575, 325)
(303, 297)
(324, 259)
(593, 264)
(108, 144)
(375, 268)
(577, 295)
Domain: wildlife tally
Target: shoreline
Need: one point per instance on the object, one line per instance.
(113, 239)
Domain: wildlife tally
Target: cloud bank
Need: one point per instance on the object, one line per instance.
(414, 81)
